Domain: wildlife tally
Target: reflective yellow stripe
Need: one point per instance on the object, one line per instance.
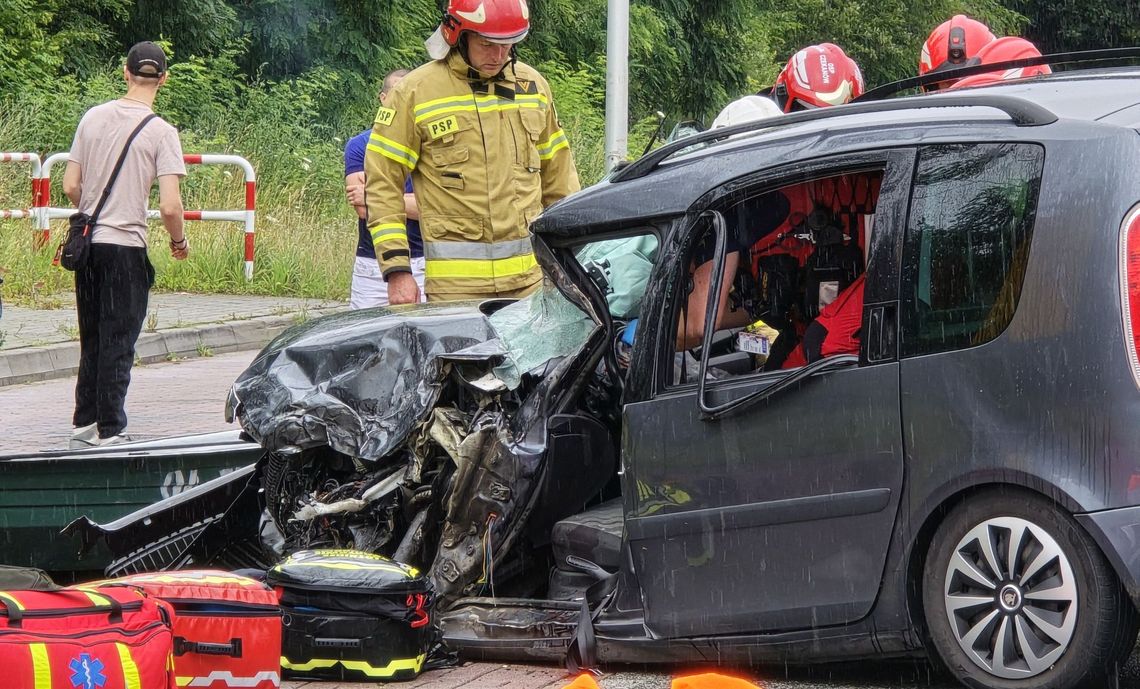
(414, 664)
(12, 601)
(555, 143)
(41, 667)
(478, 251)
(389, 228)
(437, 104)
(94, 597)
(130, 670)
(434, 104)
(393, 150)
(498, 268)
(410, 572)
(489, 103)
(470, 107)
(188, 579)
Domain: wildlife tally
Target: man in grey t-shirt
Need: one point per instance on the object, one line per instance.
(111, 291)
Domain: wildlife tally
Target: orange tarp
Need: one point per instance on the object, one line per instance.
(712, 680)
(583, 681)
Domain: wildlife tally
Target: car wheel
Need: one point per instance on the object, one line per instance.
(1016, 595)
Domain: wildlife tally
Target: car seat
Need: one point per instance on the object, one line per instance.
(587, 549)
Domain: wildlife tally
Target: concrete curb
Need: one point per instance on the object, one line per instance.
(30, 364)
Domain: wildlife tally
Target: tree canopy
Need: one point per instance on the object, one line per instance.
(687, 56)
(315, 65)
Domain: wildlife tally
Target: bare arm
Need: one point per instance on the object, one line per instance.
(73, 182)
(691, 329)
(411, 207)
(354, 192)
(170, 207)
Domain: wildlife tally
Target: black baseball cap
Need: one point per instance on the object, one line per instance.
(146, 59)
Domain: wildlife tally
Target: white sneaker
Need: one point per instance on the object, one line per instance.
(117, 439)
(84, 436)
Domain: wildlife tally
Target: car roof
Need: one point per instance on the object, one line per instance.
(668, 189)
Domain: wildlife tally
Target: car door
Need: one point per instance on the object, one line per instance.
(777, 516)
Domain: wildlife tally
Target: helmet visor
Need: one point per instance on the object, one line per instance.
(504, 40)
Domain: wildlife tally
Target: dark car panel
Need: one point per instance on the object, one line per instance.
(799, 491)
(1035, 400)
(779, 494)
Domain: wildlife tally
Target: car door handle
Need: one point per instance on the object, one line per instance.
(881, 332)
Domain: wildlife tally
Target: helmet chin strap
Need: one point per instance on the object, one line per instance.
(480, 82)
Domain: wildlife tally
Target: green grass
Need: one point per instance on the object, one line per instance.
(304, 247)
(306, 234)
(295, 256)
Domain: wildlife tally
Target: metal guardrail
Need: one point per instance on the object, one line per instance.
(246, 215)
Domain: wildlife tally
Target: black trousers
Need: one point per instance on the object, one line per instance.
(111, 296)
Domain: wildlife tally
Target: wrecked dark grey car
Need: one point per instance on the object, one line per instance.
(957, 478)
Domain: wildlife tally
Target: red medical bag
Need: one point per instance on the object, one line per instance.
(227, 628)
(84, 639)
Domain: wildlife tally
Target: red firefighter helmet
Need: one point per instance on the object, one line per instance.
(953, 44)
(501, 21)
(1003, 50)
(816, 77)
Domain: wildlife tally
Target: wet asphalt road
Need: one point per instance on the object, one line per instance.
(867, 675)
(864, 675)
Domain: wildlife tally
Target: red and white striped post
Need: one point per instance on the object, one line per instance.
(39, 192)
(245, 216)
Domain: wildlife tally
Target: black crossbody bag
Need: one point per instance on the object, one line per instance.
(75, 249)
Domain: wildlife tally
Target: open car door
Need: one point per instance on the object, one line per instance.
(775, 515)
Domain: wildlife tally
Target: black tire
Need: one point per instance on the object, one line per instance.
(1101, 631)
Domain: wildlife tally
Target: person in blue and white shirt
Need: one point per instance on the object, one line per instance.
(368, 285)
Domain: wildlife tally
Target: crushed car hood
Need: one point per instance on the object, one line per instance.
(357, 381)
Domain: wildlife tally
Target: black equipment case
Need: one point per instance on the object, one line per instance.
(352, 615)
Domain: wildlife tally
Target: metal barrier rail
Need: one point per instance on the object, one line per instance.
(245, 216)
(39, 196)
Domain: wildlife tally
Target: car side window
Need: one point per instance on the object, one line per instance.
(794, 276)
(967, 243)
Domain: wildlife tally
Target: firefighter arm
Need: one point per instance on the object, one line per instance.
(559, 174)
(392, 154)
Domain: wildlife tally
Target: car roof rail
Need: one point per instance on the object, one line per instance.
(1022, 112)
(1080, 57)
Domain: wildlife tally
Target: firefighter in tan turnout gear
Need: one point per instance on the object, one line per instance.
(478, 133)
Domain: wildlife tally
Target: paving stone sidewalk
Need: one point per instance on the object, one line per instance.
(39, 344)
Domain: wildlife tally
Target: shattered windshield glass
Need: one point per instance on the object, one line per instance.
(536, 330)
(546, 325)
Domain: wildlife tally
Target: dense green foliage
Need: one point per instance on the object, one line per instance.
(687, 55)
(285, 82)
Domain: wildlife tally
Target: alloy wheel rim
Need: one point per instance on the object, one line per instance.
(1011, 598)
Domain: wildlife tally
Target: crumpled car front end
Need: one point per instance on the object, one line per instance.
(421, 434)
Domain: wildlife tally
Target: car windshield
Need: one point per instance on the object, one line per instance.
(546, 325)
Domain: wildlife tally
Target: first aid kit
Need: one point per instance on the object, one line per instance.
(227, 627)
(85, 639)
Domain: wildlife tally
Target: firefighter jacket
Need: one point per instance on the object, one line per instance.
(485, 156)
